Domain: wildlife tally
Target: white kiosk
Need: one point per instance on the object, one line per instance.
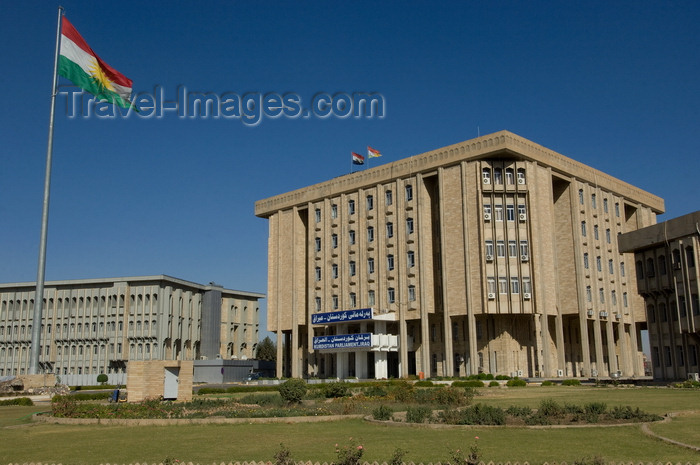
(350, 335)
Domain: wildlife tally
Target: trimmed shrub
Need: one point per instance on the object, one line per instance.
(293, 390)
(383, 413)
(571, 382)
(17, 401)
(374, 391)
(516, 411)
(469, 383)
(418, 414)
(547, 383)
(423, 383)
(503, 377)
(550, 408)
(335, 390)
(102, 378)
(403, 391)
(494, 384)
(516, 382)
(481, 414)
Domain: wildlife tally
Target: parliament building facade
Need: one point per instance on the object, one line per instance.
(493, 255)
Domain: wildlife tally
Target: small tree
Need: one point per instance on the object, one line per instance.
(266, 350)
(102, 378)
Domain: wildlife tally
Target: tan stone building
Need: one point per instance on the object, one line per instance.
(492, 255)
(666, 262)
(93, 326)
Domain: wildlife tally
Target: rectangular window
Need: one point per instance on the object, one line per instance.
(370, 265)
(514, 286)
(667, 355)
(601, 294)
(608, 238)
(370, 233)
(580, 196)
(594, 204)
(655, 356)
(389, 197)
(510, 212)
(318, 215)
(512, 249)
(335, 302)
(622, 268)
(524, 248)
(613, 297)
(521, 209)
(499, 212)
(353, 300)
(409, 192)
(334, 271)
(501, 248)
(352, 268)
(489, 248)
(351, 237)
(317, 244)
(605, 205)
(334, 211)
(611, 266)
(617, 210)
(370, 202)
(411, 258)
(589, 296)
(390, 262)
(585, 260)
(624, 299)
(370, 297)
(411, 293)
(583, 228)
(389, 230)
(391, 296)
(502, 286)
(317, 272)
(595, 232)
(598, 263)
(491, 285)
(487, 209)
(409, 226)
(334, 241)
(527, 287)
(351, 207)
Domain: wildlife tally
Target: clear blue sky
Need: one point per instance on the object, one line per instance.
(611, 84)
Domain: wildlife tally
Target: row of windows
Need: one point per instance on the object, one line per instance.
(681, 309)
(660, 263)
(599, 264)
(596, 232)
(76, 304)
(594, 202)
(352, 265)
(516, 285)
(371, 298)
(111, 326)
(510, 212)
(510, 176)
(521, 250)
(352, 236)
(81, 350)
(601, 296)
(680, 359)
(369, 203)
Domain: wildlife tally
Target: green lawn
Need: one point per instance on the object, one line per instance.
(206, 444)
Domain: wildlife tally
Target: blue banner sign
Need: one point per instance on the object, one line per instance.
(341, 317)
(343, 341)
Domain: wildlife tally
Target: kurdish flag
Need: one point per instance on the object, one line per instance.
(357, 159)
(372, 153)
(79, 63)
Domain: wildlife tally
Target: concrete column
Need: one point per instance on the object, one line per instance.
(612, 354)
(585, 346)
(637, 362)
(599, 362)
(626, 367)
(561, 357)
(341, 366)
(381, 366)
(544, 343)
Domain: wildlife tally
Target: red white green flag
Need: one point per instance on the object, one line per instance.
(372, 153)
(79, 63)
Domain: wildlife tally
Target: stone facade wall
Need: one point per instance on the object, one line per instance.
(146, 379)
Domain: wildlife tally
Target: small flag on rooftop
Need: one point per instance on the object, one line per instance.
(357, 159)
(373, 153)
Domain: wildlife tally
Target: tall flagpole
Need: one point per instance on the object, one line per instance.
(39, 294)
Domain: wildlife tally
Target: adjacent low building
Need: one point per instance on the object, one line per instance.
(666, 261)
(93, 326)
(492, 255)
